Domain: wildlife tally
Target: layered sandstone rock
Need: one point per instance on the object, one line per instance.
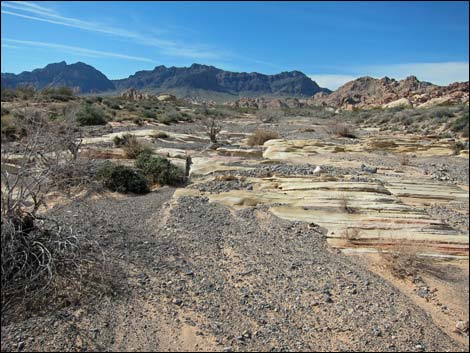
(368, 92)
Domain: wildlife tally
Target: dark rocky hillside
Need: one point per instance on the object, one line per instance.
(208, 78)
(81, 77)
(194, 81)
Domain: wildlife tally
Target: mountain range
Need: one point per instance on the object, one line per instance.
(210, 83)
(195, 80)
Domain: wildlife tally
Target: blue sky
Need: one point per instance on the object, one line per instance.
(332, 42)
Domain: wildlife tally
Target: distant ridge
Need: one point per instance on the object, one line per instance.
(81, 77)
(196, 80)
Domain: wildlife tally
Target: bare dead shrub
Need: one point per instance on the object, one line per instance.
(40, 256)
(341, 130)
(213, 129)
(405, 261)
(75, 174)
(259, 137)
(404, 159)
(270, 115)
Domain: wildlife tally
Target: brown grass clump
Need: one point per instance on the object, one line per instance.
(351, 235)
(259, 137)
(131, 146)
(226, 177)
(345, 206)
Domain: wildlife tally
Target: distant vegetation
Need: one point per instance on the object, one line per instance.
(97, 110)
(59, 94)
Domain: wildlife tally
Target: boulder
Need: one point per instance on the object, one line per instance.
(402, 102)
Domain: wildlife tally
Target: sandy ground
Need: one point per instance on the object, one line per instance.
(197, 274)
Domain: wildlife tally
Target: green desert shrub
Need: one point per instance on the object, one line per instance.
(90, 115)
(458, 146)
(148, 114)
(138, 121)
(123, 140)
(169, 117)
(122, 179)
(11, 128)
(440, 114)
(5, 111)
(461, 125)
(8, 94)
(159, 170)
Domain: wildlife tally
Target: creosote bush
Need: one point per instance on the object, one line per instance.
(90, 115)
(159, 170)
(259, 137)
(122, 179)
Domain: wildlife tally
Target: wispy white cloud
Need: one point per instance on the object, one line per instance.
(442, 73)
(332, 81)
(76, 50)
(31, 5)
(10, 46)
(35, 12)
(28, 7)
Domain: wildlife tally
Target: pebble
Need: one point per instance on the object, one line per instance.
(177, 301)
(423, 292)
(462, 326)
(367, 169)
